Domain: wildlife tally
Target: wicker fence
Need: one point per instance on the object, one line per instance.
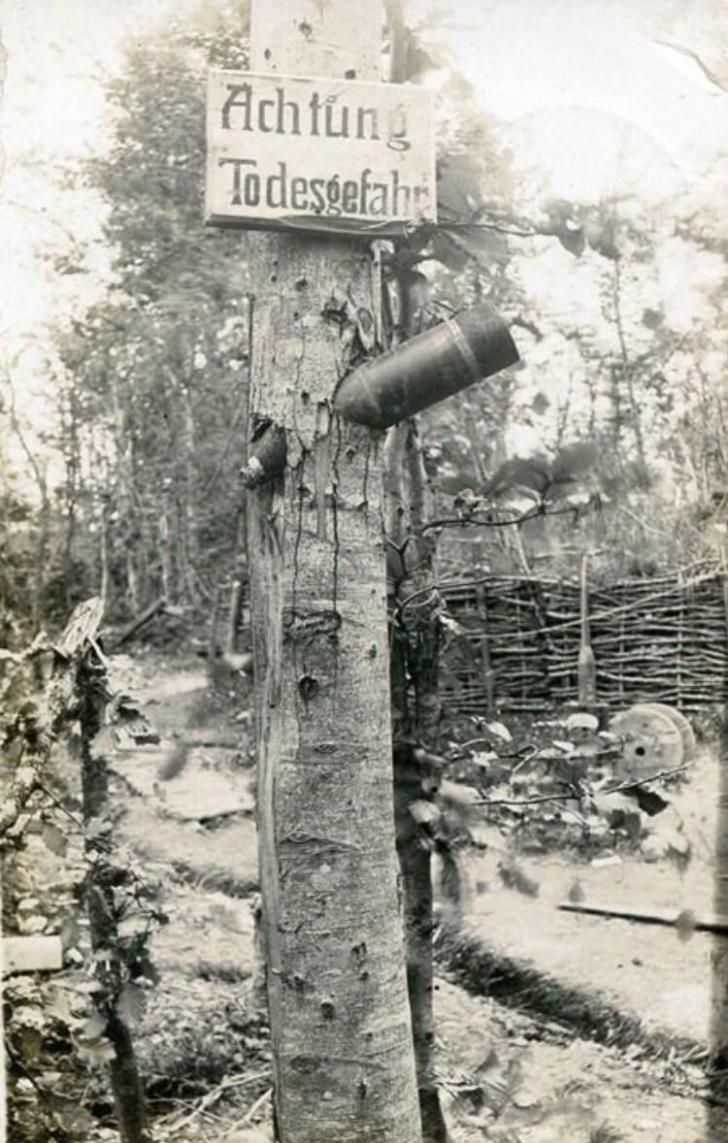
(661, 640)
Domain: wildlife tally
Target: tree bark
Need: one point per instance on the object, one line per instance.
(126, 1083)
(423, 658)
(414, 663)
(166, 553)
(104, 559)
(133, 585)
(343, 1065)
(238, 588)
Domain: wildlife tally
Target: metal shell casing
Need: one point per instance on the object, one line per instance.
(427, 368)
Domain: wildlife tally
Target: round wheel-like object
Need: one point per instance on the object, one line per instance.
(681, 722)
(651, 742)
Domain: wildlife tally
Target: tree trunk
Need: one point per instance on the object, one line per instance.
(166, 554)
(72, 465)
(133, 586)
(238, 588)
(105, 563)
(186, 445)
(343, 1066)
(423, 654)
(126, 1082)
(414, 649)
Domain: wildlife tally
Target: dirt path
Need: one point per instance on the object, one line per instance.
(653, 972)
(644, 969)
(505, 1074)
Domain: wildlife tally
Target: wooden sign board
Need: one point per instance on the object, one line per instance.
(30, 954)
(334, 156)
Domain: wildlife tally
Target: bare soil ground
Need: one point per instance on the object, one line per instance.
(650, 970)
(509, 1072)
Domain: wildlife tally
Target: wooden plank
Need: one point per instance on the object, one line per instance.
(31, 954)
(706, 923)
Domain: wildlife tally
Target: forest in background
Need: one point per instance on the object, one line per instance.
(130, 487)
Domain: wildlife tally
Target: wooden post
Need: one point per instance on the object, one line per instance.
(343, 1065)
(587, 672)
(485, 656)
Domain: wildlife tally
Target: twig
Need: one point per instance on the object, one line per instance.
(248, 1117)
(260, 1102)
(574, 796)
(528, 757)
(525, 801)
(213, 1096)
(647, 527)
(106, 663)
(59, 805)
(645, 781)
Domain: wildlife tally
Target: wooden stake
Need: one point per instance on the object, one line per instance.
(587, 673)
(708, 923)
(487, 663)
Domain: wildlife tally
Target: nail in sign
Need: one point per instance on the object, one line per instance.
(318, 154)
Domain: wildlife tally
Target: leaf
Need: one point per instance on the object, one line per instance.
(652, 319)
(685, 924)
(450, 624)
(28, 1016)
(98, 827)
(574, 460)
(513, 877)
(605, 1133)
(605, 803)
(93, 1028)
(649, 801)
(131, 1004)
(54, 839)
(576, 892)
(572, 240)
(96, 1054)
(424, 812)
(540, 404)
(532, 474)
(578, 500)
(57, 1006)
(581, 720)
(75, 1121)
(459, 197)
(456, 248)
(500, 730)
(484, 758)
(562, 744)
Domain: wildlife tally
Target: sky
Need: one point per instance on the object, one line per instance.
(593, 97)
(593, 86)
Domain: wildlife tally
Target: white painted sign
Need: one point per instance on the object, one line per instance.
(318, 154)
(30, 954)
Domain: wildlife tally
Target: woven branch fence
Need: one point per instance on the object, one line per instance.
(660, 640)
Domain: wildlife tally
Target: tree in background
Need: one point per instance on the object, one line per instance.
(153, 379)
